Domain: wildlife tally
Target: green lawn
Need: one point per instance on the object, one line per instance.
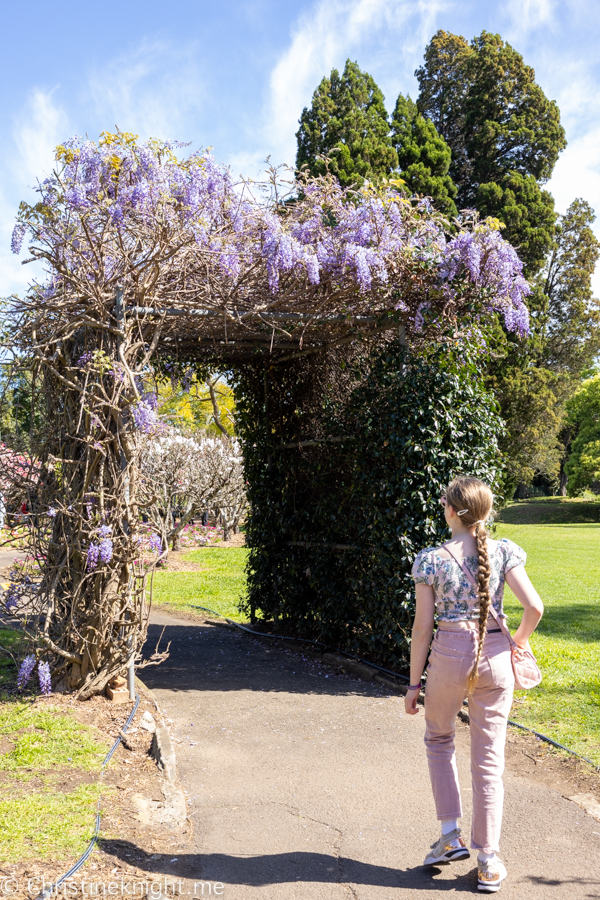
(37, 820)
(219, 586)
(562, 540)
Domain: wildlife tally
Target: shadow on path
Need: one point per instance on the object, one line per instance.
(215, 658)
(284, 868)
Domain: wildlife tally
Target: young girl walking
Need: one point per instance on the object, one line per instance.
(457, 584)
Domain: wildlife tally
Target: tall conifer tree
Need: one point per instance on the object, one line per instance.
(348, 122)
(504, 133)
(423, 156)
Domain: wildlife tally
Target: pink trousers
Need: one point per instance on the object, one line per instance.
(451, 659)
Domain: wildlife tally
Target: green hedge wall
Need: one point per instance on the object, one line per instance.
(334, 527)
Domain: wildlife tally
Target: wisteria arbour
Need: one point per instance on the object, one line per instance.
(155, 261)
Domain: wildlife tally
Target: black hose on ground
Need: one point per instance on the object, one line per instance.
(281, 637)
(51, 889)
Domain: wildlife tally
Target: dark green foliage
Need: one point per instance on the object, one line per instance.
(510, 125)
(570, 321)
(347, 121)
(526, 210)
(443, 90)
(423, 156)
(486, 104)
(405, 427)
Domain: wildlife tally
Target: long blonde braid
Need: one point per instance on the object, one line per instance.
(473, 501)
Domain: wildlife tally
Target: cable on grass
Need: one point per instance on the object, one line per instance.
(52, 888)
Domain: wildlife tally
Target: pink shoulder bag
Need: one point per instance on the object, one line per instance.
(525, 667)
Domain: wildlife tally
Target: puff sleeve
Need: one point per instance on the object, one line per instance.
(513, 556)
(423, 570)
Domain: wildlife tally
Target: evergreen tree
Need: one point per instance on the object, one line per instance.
(348, 122)
(423, 156)
(527, 212)
(570, 321)
(443, 88)
(487, 106)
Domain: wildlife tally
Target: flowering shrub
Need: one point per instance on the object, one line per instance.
(190, 473)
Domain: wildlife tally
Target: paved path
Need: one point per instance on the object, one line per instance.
(305, 784)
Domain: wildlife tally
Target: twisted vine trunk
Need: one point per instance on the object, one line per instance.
(84, 598)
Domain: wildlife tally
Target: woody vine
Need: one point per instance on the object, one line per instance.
(152, 261)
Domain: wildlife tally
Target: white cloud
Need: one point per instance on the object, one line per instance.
(527, 15)
(152, 90)
(28, 154)
(325, 37)
(38, 129)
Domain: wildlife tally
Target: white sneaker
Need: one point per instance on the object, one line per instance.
(490, 875)
(448, 848)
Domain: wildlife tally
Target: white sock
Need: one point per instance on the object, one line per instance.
(449, 825)
(485, 857)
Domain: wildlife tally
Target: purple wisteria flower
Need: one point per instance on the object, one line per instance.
(52, 512)
(145, 417)
(106, 550)
(85, 359)
(18, 234)
(367, 242)
(27, 667)
(155, 543)
(105, 531)
(12, 597)
(44, 677)
(150, 398)
(92, 557)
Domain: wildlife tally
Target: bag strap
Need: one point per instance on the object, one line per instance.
(491, 610)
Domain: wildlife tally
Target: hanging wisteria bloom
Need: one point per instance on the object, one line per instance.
(92, 557)
(45, 678)
(52, 512)
(27, 667)
(105, 550)
(85, 359)
(145, 417)
(11, 597)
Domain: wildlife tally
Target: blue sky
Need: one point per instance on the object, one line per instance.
(235, 76)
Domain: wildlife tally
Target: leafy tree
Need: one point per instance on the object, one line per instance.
(347, 121)
(487, 106)
(570, 320)
(189, 401)
(583, 466)
(443, 88)
(534, 379)
(423, 156)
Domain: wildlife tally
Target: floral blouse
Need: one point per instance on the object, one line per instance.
(455, 597)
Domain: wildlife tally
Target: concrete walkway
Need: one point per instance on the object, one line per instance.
(307, 784)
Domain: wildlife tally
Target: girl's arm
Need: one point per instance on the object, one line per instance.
(421, 639)
(518, 581)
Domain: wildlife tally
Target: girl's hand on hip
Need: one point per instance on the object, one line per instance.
(410, 701)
